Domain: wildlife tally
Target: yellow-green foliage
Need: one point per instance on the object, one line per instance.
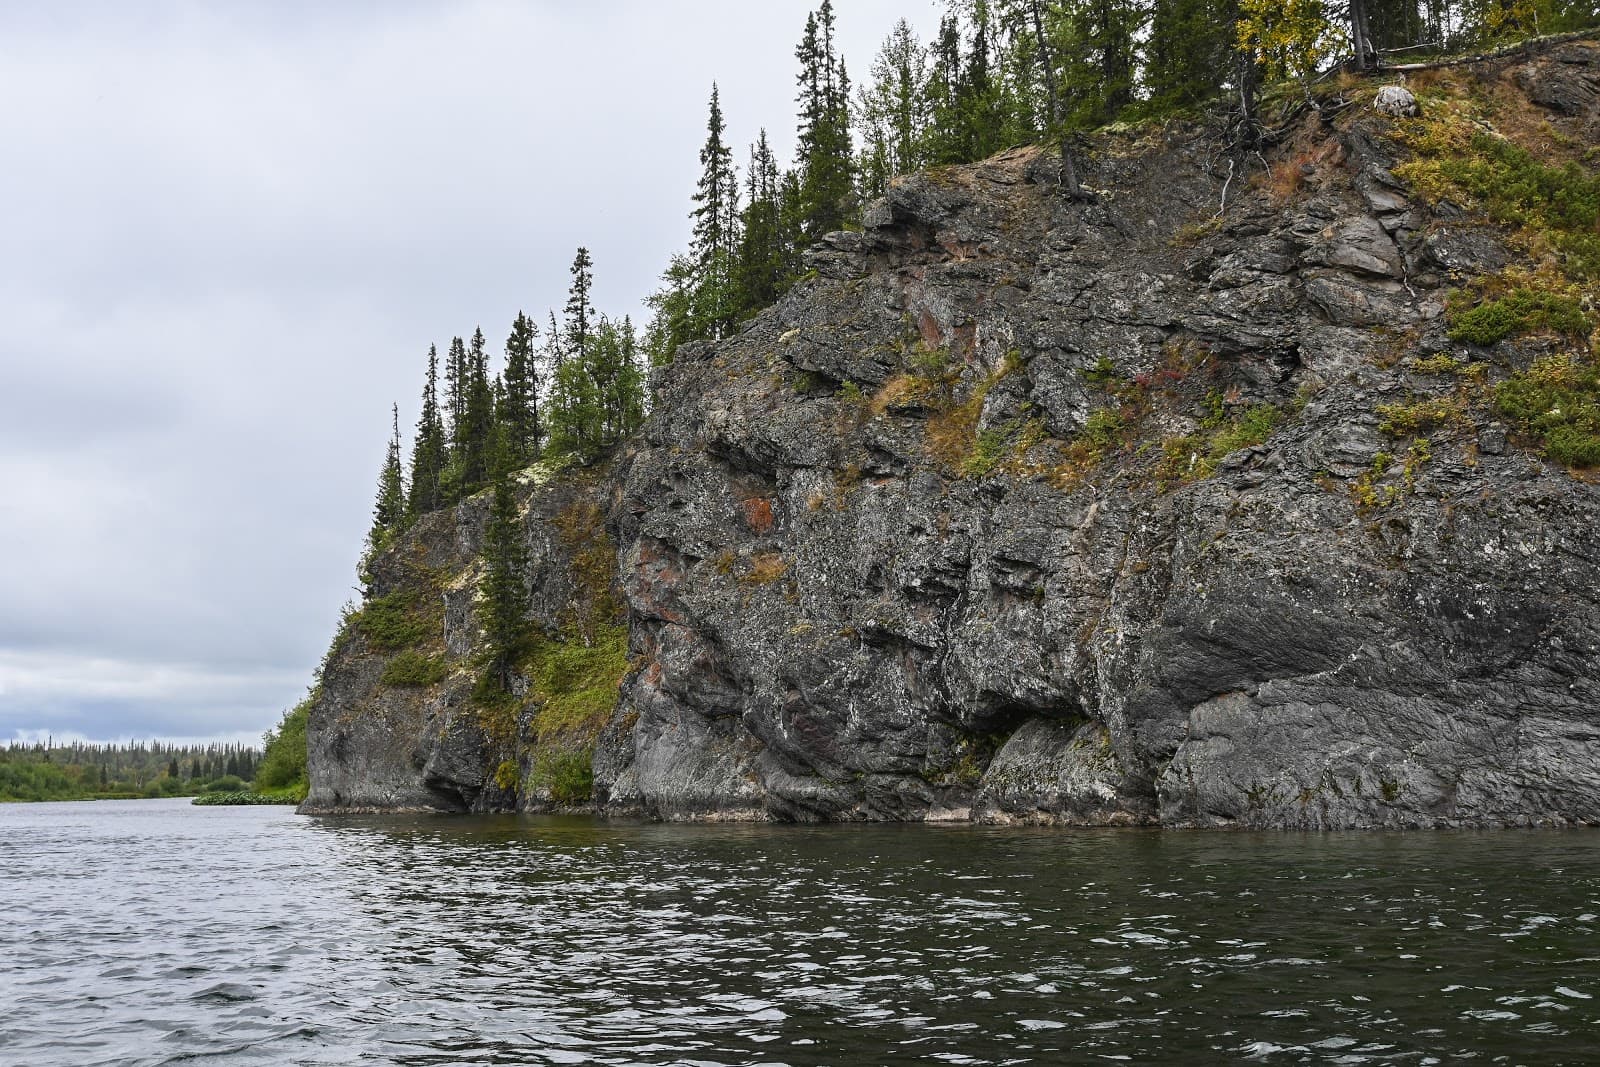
(1252, 426)
(575, 680)
(507, 775)
(1444, 363)
(1370, 494)
(1366, 490)
(396, 620)
(413, 668)
(988, 449)
(1420, 415)
(1195, 456)
(1288, 38)
(593, 567)
(1554, 207)
(1556, 401)
(1521, 311)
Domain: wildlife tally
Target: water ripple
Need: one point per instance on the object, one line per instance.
(156, 933)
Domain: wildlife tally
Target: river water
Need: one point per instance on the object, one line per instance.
(153, 932)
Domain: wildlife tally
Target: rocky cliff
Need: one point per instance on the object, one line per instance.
(1234, 496)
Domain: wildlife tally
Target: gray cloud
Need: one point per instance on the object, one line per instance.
(232, 232)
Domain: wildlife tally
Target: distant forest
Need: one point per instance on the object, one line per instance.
(80, 771)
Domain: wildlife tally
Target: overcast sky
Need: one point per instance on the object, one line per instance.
(231, 232)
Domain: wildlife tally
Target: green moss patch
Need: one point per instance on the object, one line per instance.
(1555, 205)
(1522, 311)
(1556, 402)
(396, 620)
(413, 669)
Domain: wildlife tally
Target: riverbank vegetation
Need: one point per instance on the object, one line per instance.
(88, 771)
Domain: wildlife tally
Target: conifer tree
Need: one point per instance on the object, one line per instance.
(457, 382)
(1187, 52)
(518, 407)
(476, 433)
(761, 271)
(893, 111)
(506, 563)
(428, 450)
(579, 315)
(573, 417)
(716, 225)
(389, 511)
(826, 159)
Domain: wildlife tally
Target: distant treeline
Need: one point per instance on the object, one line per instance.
(81, 770)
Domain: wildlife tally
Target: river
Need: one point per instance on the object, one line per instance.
(154, 932)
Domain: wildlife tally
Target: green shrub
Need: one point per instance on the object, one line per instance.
(1420, 416)
(1252, 426)
(283, 757)
(394, 621)
(242, 797)
(1557, 401)
(228, 783)
(988, 449)
(414, 669)
(507, 775)
(1103, 428)
(568, 775)
(1521, 311)
(576, 681)
(1558, 206)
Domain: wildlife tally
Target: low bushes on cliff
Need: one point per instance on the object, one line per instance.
(411, 668)
(1557, 401)
(395, 620)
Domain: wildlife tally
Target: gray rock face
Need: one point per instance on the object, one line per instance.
(907, 639)
(969, 527)
(377, 747)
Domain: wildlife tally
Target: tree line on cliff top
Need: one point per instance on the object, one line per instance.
(996, 73)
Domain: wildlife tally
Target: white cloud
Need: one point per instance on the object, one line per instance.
(232, 232)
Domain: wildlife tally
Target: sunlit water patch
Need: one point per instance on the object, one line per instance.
(153, 932)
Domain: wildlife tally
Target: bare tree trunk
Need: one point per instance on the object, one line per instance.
(1069, 167)
(1361, 35)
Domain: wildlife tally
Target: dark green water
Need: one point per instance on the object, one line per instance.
(153, 932)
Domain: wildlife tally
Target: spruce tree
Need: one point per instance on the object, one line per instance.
(1186, 53)
(518, 408)
(506, 564)
(428, 451)
(579, 316)
(761, 271)
(477, 425)
(458, 383)
(716, 226)
(826, 159)
(389, 511)
(574, 406)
